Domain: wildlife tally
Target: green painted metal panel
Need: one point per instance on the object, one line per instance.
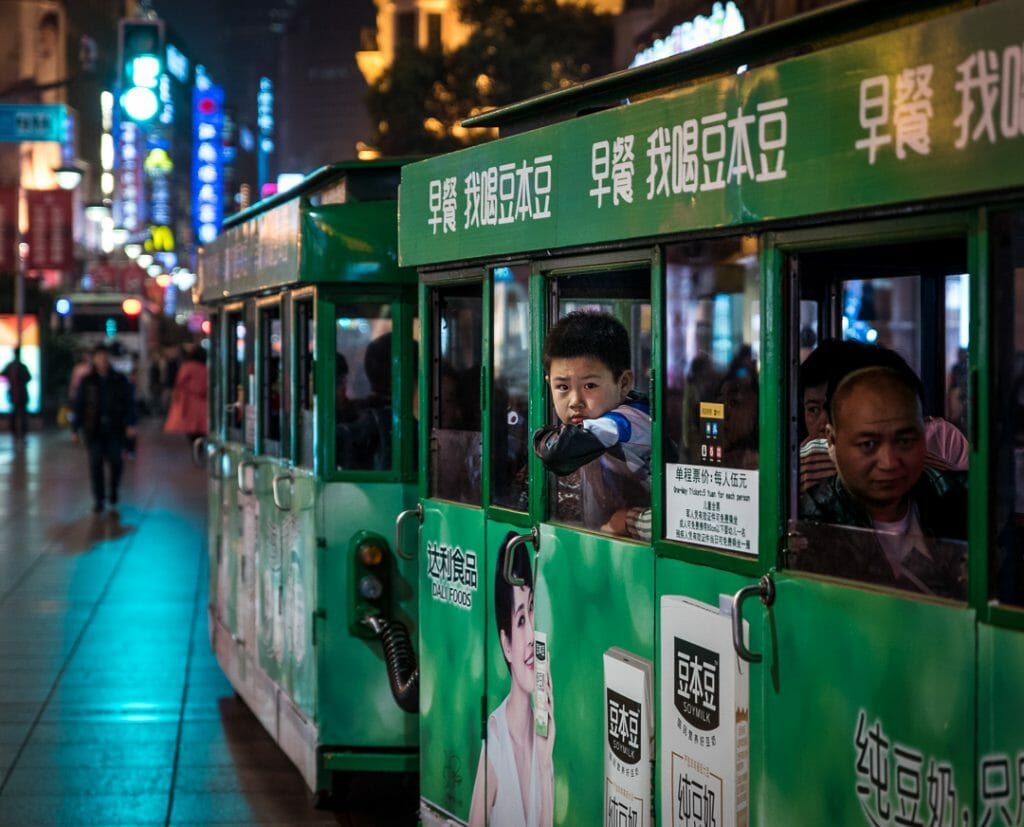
(1000, 727)
(453, 618)
(867, 697)
(907, 115)
(300, 574)
(269, 580)
(370, 761)
(706, 585)
(355, 707)
(592, 593)
(352, 243)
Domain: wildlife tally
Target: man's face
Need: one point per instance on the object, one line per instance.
(583, 388)
(815, 414)
(877, 442)
(101, 361)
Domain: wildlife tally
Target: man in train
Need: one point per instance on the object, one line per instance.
(885, 516)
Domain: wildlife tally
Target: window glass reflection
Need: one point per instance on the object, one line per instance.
(510, 395)
(362, 387)
(455, 435)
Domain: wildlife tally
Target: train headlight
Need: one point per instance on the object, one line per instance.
(370, 587)
(369, 580)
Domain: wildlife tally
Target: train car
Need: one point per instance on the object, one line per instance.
(310, 458)
(710, 641)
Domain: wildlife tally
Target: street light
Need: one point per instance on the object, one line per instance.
(68, 176)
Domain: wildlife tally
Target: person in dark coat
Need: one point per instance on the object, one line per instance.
(104, 417)
(18, 377)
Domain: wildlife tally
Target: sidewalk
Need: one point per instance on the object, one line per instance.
(113, 710)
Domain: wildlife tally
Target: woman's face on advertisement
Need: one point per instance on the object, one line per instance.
(518, 648)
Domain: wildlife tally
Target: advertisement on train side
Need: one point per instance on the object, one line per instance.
(562, 663)
(923, 112)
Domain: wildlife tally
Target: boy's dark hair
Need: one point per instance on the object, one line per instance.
(584, 333)
(522, 568)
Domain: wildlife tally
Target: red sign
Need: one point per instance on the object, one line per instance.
(8, 229)
(50, 245)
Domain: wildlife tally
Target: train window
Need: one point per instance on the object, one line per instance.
(510, 438)
(880, 493)
(1006, 568)
(362, 387)
(237, 390)
(711, 432)
(270, 382)
(305, 389)
(455, 436)
(612, 492)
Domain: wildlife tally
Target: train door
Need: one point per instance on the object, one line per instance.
(365, 356)
(869, 678)
(275, 520)
(998, 430)
(239, 523)
(708, 526)
(221, 566)
(593, 567)
(452, 598)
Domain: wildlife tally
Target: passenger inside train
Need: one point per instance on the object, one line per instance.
(901, 512)
(946, 447)
(605, 425)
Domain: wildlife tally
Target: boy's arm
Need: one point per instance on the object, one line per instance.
(565, 448)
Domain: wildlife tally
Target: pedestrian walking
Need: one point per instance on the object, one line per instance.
(188, 413)
(18, 377)
(104, 418)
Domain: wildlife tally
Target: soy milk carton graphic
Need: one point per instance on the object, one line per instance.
(705, 703)
(628, 743)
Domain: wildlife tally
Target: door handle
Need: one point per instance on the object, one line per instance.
(765, 589)
(201, 448)
(534, 538)
(242, 488)
(278, 501)
(409, 512)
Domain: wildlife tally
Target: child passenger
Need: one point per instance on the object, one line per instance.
(604, 421)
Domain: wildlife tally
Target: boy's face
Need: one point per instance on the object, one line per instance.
(583, 387)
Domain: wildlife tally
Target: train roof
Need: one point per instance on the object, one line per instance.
(903, 113)
(795, 35)
(324, 179)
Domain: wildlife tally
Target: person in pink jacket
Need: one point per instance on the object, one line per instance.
(188, 411)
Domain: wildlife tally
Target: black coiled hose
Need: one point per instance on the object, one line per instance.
(403, 672)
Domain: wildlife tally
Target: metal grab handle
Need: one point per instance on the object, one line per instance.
(278, 478)
(200, 445)
(219, 455)
(765, 589)
(402, 515)
(510, 556)
(245, 463)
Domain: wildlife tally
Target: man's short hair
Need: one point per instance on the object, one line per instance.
(880, 377)
(583, 333)
(834, 359)
(101, 347)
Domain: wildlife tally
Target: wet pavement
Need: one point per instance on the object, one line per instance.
(113, 710)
